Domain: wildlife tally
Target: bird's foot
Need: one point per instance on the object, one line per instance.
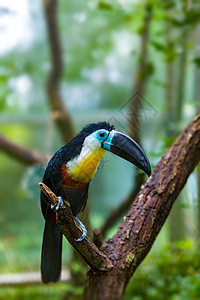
(83, 228)
(57, 206)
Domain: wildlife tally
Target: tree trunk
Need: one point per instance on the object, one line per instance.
(104, 285)
(137, 233)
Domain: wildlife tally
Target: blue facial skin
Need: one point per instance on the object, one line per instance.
(104, 135)
(108, 141)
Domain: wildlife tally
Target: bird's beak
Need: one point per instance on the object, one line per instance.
(125, 147)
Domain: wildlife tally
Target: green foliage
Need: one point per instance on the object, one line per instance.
(161, 83)
(37, 292)
(104, 6)
(198, 168)
(194, 103)
(171, 274)
(196, 61)
(167, 141)
(158, 46)
(169, 51)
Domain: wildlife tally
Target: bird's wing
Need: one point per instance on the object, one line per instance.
(61, 184)
(77, 197)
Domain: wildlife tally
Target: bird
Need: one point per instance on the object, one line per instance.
(69, 173)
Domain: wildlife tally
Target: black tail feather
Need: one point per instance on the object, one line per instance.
(51, 253)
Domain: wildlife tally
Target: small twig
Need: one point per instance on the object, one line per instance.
(24, 155)
(65, 221)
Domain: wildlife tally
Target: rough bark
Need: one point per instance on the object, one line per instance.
(59, 110)
(137, 233)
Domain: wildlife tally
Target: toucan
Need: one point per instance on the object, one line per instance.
(68, 175)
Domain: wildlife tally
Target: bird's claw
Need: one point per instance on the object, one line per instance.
(83, 228)
(57, 206)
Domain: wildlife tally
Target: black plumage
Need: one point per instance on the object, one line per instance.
(57, 179)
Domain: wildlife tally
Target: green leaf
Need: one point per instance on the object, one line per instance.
(197, 168)
(147, 71)
(196, 61)
(104, 6)
(158, 46)
(170, 56)
(160, 83)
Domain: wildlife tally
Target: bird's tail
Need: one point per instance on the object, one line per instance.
(51, 253)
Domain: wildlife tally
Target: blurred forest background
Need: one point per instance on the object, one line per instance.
(132, 63)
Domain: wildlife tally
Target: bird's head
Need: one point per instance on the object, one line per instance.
(94, 141)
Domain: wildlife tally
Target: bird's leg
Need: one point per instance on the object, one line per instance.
(57, 206)
(83, 228)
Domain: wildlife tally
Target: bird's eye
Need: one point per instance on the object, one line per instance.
(102, 134)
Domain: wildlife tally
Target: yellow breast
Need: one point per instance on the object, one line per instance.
(85, 169)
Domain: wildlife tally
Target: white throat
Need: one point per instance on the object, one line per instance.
(82, 168)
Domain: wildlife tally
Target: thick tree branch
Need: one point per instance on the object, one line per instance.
(153, 203)
(137, 233)
(59, 111)
(65, 220)
(24, 155)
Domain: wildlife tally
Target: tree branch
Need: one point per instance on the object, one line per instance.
(59, 111)
(24, 155)
(65, 220)
(153, 203)
(137, 233)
